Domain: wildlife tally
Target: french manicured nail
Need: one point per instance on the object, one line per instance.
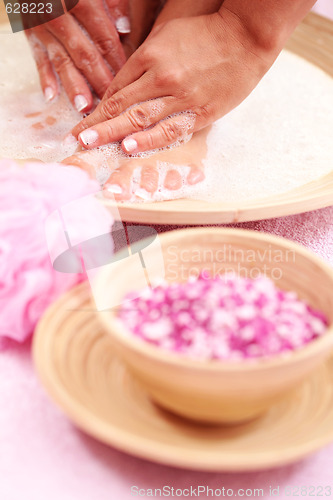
(195, 177)
(88, 137)
(80, 102)
(69, 140)
(114, 189)
(123, 25)
(130, 145)
(143, 194)
(49, 94)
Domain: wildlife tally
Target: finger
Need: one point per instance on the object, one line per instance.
(173, 180)
(47, 77)
(129, 87)
(120, 13)
(196, 175)
(110, 108)
(103, 33)
(149, 178)
(119, 184)
(74, 84)
(78, 161)
(129, 73)
(166, 133)
(95, 162)
(84, 54)
(138, 118)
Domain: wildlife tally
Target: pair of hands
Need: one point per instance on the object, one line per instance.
(81, 58)
(187, 73)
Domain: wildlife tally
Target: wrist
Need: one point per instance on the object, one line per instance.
(268, 24)
(234, 42)
(266, 34)
(175, 9)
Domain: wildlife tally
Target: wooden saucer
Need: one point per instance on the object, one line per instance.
(313, 41)
(77, 364)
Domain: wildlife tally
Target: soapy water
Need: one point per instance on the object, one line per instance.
(29, 127)
(33, 134)
(278, 139)
(162, 193)
(103, 161)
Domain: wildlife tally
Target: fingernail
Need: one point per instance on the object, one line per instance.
(48, 94)
(80, 102)
(143, 194)
(69, 140)
(88, 137)
(196, 177)
(130, 145)
(123, 25)
(114, 189)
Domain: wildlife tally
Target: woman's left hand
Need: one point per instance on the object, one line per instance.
(81, 58)
(188, 73)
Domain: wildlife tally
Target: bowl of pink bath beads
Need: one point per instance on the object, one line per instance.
(226, 317)
(223, 323)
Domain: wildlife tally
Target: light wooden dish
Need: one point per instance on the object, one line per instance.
(217, 391)
(312, 40)
(77, 364)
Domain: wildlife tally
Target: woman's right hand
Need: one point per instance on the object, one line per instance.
(61, 47)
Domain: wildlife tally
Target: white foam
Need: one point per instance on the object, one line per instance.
(278, 139)
(40, 134)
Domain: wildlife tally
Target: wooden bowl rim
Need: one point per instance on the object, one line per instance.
(114, 327)
(316, 31)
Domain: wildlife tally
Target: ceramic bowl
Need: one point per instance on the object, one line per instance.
(218, 391)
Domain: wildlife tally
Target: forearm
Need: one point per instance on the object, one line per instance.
(143, 15)
(268, 22)
(187, 8)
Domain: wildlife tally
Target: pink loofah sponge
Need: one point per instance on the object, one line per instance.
(28, 282)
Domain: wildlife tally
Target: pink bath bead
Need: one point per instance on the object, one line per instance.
(227, 318)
